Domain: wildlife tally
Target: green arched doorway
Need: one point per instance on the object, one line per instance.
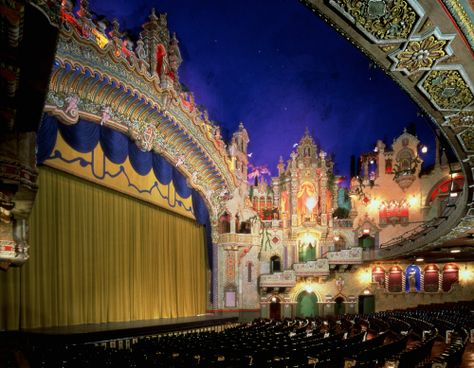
(339, 307)
(307, 305)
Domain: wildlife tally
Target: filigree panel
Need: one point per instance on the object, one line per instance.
(447, 89)
(460, 120)
(422, 53)
(467, 139)
(381, 20)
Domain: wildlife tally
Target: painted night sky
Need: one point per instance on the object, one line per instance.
(279, 68)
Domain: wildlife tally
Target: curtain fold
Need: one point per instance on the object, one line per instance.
(100, 256)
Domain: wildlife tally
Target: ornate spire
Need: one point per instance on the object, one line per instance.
(281, 166)
(152, 16)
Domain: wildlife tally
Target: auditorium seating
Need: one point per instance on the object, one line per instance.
(402, 336)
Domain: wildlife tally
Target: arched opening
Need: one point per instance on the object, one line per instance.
(339, 307)
(224, 223)
(366, 304)
(395, 279)
(230, 296)
(244, 227)
(378, 276)
(388, 166)
(307, 202)
(307, 251)
(413, 278)
(404, 160)
(307, 305)
(237, 223)
(275, 308)
(275, 264)
(439, 195)
(367, 242)
(249, 271)
(450, 276)
(431, 278)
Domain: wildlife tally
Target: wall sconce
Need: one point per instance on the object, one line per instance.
(366, 291)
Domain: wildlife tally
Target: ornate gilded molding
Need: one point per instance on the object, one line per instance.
(466, 138)
(464, 119)
(92, 81)
(422, 52)
(448, 88)
(382, 21)
(462, 18)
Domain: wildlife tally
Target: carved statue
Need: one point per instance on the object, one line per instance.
(72, 105)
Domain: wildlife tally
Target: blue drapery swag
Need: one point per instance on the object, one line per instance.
(84, 137)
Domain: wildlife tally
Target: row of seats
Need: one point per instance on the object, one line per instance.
(405, 337)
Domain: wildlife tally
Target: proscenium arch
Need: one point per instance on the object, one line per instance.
(136, 101)
(443, 21)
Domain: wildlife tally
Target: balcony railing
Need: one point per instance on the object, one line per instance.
(279, 279)
(343, 223)
(431, 232)
(237, 238)
(312, 268)
(346, 256)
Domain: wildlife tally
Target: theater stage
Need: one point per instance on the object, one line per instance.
(121, 330)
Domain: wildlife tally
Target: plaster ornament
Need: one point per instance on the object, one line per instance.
(72, 103)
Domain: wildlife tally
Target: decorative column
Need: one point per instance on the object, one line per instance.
(293, 190)
(323, 188)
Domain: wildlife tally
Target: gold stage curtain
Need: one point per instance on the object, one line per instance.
(100, 256)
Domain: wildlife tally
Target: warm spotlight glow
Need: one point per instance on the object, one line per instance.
(453, 194)
(374, 204)
(455, 250)
(336, 238)
(419, 259)
(310, 203)
(309, 288)
(366, 291)
(413, 201)
(365, 277)
(465, 274)
(274, 299)
(308, 238)
(366, 231)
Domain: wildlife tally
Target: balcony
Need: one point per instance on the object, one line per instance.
(238, 239)
(345, 256)
(312, 268)
(279, 279)
(343, 223)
